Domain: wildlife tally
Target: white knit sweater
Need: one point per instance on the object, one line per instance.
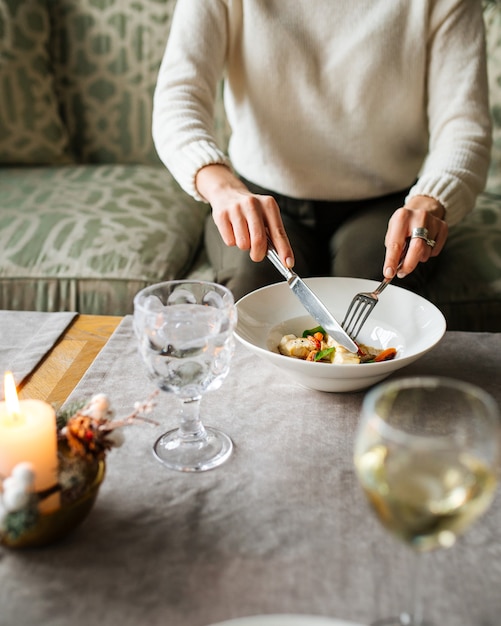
(330, 99)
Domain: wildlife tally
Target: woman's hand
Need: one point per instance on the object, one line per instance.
(419, 212)
(243, 218)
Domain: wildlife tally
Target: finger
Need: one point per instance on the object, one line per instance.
(426, 242)
(276, 230)
(224, 227)
(256, 227)
(440, 238)
(392, 258)
(241, 231)
(395, 242)
(282, 245)
(420, 250)
(232, 226)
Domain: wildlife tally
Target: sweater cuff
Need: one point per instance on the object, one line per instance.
(454, 196)
(192, 158)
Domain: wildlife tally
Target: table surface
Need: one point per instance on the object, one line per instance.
(282, 527)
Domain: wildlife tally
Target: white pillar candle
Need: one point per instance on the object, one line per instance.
(28, 433)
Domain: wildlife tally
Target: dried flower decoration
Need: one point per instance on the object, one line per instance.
(85, 434)
(91, 431)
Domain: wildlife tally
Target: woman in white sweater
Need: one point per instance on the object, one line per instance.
(353, 124)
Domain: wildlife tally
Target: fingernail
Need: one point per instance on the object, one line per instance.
(289, 262)
(401, 274)
(388, 272)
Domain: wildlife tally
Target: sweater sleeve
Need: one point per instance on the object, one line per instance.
(455, 170)
(183, 103)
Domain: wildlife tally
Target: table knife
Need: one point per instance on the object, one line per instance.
(311, 303)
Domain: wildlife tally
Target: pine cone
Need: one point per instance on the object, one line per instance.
(86, 436)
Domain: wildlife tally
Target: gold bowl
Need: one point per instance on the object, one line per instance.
(52, 527)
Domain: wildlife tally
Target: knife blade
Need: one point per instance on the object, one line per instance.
(311, 302)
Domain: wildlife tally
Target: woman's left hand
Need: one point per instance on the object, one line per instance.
(420, 212)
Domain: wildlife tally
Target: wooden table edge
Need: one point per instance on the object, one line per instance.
(65, 364)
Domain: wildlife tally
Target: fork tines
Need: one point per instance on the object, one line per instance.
(358, 312)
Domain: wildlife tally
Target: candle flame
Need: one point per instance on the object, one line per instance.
(10, 392)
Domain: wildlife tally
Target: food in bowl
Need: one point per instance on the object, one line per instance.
(315, 344)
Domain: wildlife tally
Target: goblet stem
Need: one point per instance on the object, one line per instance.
(191, 447)
(191, 427)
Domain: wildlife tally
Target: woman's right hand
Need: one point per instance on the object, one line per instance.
(243, 218)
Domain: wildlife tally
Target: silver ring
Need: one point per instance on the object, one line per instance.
(422, 233)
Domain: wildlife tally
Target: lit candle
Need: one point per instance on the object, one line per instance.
(28, 433)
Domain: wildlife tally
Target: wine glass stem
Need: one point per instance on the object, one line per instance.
(416, 604)
(415, 616)
(191, 427)
(417, 598)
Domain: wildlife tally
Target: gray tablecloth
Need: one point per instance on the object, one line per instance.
(282, 527)
(25, 338)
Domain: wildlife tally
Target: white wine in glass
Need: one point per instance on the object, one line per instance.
(426, 456)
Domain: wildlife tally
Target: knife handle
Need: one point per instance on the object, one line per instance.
(275, 259)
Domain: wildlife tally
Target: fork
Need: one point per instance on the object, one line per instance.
(364, 302)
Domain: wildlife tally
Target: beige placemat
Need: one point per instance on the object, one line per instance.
(26, 337)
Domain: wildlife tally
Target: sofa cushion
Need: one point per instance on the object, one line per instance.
(31, 130)
(492, 19)
(87, 238)
(107, 56)
(467, 283)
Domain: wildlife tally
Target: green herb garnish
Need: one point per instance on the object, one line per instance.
(321, 354)
(312, 331)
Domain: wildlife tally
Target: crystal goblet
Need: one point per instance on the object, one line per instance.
(426, 456)
(185, 330)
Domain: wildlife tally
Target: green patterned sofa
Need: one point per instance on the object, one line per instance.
(88, 215)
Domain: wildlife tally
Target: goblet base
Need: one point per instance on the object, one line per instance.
(193, 455)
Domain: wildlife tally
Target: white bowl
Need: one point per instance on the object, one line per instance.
(401, 319)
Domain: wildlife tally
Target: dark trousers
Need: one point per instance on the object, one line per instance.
(328, 239)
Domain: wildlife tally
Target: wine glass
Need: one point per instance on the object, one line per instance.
(185, 334)
(426, 456)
